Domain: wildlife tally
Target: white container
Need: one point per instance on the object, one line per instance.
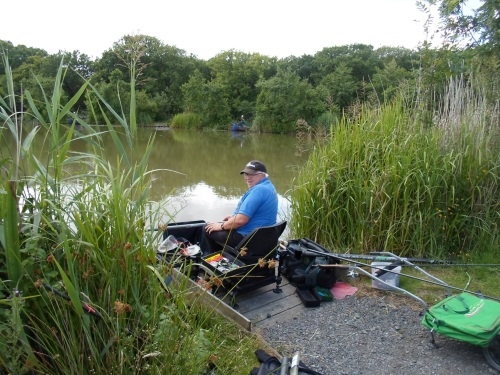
(391, 278)
(169, 244)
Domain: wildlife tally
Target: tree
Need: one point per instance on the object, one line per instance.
(302, 66)
(166, 69)
(386, 81)
(207, 100)
(284, 99)
(80, 69)
(193, 93)
(237, 73)
(360, 58)
(340, 86)
(405, 58)
(462, 24)
(18, 54)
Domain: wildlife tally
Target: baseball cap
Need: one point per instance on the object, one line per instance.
(254, 167)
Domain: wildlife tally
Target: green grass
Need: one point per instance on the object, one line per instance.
(73, 240)
(386, 182)
(480, 279)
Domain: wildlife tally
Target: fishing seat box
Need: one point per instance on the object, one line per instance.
(391, 279)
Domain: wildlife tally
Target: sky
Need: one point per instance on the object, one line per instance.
(274, 28)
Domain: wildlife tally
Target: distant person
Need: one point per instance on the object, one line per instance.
(258, 207)
(242, 120)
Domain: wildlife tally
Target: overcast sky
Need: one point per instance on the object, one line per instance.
(205, 28)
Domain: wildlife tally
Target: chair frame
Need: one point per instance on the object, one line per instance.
(250, 255)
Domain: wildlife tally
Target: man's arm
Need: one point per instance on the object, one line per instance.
(235, 221)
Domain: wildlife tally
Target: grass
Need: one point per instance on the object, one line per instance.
(387, 182)
(186, 121)
(482, 280)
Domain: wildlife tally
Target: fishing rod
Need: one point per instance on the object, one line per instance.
(478, 294)
(422, 261)
(316, 249)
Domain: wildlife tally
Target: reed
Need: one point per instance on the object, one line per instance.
(389, 182)
(78, 294)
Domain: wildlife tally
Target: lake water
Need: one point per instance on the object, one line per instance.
(196, 173)
(210, 162)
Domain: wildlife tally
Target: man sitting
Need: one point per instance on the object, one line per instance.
(258, 207)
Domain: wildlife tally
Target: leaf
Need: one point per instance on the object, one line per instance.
(11, 235)
(71, 290)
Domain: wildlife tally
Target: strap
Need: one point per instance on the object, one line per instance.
(461, 299)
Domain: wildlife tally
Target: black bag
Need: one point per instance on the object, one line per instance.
(271, 365)
(300, 265)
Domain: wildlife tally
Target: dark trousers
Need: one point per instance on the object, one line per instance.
(217, 240)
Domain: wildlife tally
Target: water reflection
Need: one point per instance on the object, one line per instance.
(201, 202)
(210, 184)
(196, 174)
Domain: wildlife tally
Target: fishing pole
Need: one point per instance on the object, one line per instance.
(422, 261)
(478, 294)
(398, 261)
(372, 256)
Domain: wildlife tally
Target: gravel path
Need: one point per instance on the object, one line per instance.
(377, 334)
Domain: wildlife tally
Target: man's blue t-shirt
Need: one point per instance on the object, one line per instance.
(260, 204)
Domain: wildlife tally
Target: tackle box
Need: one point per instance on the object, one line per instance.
(308, 296)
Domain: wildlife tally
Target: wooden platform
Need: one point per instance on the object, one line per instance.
(260, 308)
(264, 307)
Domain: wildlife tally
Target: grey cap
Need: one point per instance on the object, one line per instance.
(254, 167)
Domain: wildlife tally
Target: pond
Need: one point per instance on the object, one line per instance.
(207, 183)
(196, 174)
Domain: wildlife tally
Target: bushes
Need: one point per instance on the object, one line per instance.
(186, 121)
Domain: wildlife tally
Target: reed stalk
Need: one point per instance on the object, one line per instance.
(389, 182)
(78, 281)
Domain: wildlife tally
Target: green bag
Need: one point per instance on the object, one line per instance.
(465, 317)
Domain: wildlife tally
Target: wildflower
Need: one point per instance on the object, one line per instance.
(50, 258)
(272, 263)
(204, 284)
(88, 273)
(214, 280)
(38, 283)
(162, 227)
(262, 263)
(212, 359)
(243, 251)
(122, 263)
(121, 308)
(128, 246)
(166, 269)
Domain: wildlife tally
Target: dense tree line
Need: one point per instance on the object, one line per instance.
(274, 94)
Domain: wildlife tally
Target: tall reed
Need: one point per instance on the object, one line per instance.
(78, 294)
(387, 182)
